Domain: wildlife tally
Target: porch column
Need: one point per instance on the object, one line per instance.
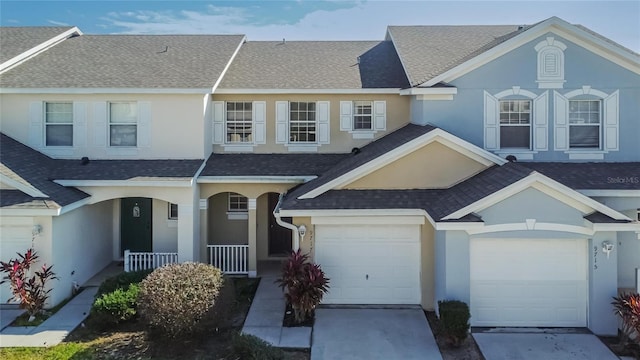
(204, 253)
(186, 235)
(252, 225)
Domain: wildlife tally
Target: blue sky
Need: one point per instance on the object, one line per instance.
(315, 19)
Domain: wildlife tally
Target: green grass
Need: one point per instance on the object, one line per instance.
(64, 351)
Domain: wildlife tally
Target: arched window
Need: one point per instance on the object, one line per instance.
(550, 64)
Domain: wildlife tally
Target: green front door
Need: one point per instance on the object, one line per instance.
(135, 224)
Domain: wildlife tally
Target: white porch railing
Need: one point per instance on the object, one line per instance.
(134, 261)
(231, 259)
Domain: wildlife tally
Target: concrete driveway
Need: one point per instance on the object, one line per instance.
(372, 334)
(543, 346)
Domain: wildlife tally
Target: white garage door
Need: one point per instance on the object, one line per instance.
(521, 282)
(13, 239)
(370, 264)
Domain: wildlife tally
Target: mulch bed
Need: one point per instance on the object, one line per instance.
(290, 321)
(613, 343)
(467, 351)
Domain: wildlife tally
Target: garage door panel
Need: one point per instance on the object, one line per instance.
(516, 288)
(372, 264)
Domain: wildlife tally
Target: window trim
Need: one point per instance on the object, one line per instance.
(237, 214)
(599, 124)
(45, 124)
(169, 211)
(314, 121)
(109, 124)
(550, 80)
(355, 114)
(529, 125)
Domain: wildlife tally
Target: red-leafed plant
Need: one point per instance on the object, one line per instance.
(627, 306)
(29, 290)
(304, 284)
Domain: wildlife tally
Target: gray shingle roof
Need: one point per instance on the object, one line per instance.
(270, 164)
(591, 176)
(35, 169)
(125, 169)
(16, 40)
(428, 51)
(315, 65)
(437, 202)
(127, 61)
(365, 154)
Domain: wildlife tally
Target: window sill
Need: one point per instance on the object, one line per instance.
(520, 154)
(362, 134)
(586, 154)
(302, 147)
(172, 223)
(237, 215)
(238, 147)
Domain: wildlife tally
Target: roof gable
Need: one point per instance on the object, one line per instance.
(574, 33)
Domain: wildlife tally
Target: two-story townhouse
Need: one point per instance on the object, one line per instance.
(386, 161)
(117, 127)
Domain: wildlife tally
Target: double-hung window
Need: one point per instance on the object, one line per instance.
(173, 211)
(584, 124)
(237, 203)
(239, 122)
(302, 122)
(362, 115)
(515, 124)
(58, 124)
(123, 124)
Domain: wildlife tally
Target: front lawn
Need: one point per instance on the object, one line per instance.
(131, 340)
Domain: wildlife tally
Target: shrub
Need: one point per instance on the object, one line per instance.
(116, 306)
(304, 284)
(122, 281)
(174, 298)
(627, 306)
(249, 347)
(28, 289)
(454, 320)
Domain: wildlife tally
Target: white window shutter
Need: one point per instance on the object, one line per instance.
(144, 124)
(491, 122)
(100, 123)
(611, 122)
(218, 114)
(346, 115)
(322, 116)
(282, 118)
(80, 124)
(36, 123)
(379, 115)
(540, 122)
(260, 122)
(561, 121)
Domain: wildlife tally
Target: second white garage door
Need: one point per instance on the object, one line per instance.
(370, 264)
(529, 282)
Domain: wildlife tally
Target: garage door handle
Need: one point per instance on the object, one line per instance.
(367, 276)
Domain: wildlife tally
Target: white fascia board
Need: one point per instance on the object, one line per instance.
(368, 220)
(352, 212)
(29, 212)
(254, 179)
(430, 91)
(308, 91)
(179, 91)
(18, 59)
(126, 183)
(27, 189)
(439, 135)
(194, 179)
(545, 185)
(556, 25)
(462, 226)
(75, 205)
(224, 71)
(610, 193)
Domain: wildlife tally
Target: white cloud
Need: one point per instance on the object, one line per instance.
(58, 23)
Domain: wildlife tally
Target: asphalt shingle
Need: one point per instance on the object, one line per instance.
(127, 61)
(591, 175)
(315, 65)
(269, 164)
(16, 40)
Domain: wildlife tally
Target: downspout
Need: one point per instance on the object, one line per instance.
(292, 227)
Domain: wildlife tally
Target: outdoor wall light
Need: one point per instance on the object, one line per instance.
(36, 230)
(302, 230)
(607, 247)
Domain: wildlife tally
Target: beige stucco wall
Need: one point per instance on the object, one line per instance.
(165, 231)
(250, 190)
(81, 246)
(307, 244)
(398, 114)
(427, 265)
(177, 125)
(223, 231)
(433, 166)
(262, 228)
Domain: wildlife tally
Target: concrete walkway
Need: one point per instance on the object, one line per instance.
(264, 319)
(54, 329)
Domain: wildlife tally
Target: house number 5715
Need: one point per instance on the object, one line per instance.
(595, 258)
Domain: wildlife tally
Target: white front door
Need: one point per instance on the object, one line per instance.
(370, 264)
(529, 282)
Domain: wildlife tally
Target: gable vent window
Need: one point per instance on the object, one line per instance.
(550, 64)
